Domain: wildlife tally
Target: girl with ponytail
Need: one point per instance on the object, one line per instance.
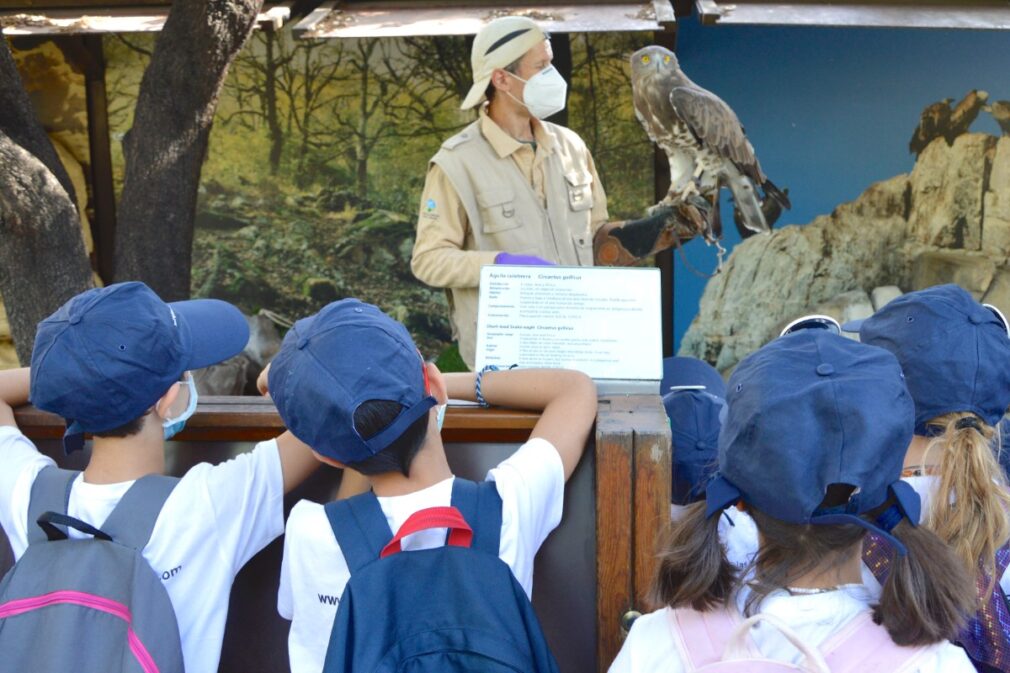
(811, 449)
(955, 354)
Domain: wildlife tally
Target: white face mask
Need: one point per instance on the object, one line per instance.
(544, 93)
(440, 416)
(172, 426)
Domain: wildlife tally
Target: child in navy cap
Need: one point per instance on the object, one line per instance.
(695, 402)
(694, 396)
(955, 353)
(809, 450)
(351, 384)
(115, 362)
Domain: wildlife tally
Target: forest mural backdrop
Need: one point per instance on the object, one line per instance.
(318, 153)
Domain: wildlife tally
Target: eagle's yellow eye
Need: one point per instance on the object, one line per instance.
(645, 59)
(666, 59)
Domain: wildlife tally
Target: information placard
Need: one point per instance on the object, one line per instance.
(604, 321)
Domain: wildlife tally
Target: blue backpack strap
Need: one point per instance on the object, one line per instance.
(360, 527)
(481, 506)
(50, 493)
(132, 521)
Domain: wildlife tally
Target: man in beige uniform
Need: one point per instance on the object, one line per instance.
(513, 189)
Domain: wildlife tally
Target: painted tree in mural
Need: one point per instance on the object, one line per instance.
(256, 88)
(42, 258)
(395, 94)
(286, 86)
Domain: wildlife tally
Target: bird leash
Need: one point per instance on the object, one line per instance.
(720, 254)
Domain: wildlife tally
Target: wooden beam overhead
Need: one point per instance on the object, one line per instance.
(958, 14)
(350, 20)
(92, 20)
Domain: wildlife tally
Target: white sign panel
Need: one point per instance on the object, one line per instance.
(604, 321)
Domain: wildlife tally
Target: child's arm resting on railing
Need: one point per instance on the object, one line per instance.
(14, 385)
(297, 459)
(565, 398)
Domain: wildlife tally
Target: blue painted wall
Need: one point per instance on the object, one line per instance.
(829, 110)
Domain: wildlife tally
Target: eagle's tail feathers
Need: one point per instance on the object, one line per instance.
(773, 192)
(746, 201)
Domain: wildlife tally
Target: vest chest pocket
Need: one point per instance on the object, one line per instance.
(498, 210)
(580, 189)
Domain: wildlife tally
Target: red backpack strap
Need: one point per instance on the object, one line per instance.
(864, 646)
(701, 637)
(460, 533)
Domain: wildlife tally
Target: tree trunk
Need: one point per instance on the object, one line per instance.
(270, 101)
(42, 257)
(19, 122)
(166, 146)
(361, 149)
(361, 161)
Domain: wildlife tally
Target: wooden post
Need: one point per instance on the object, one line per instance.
(614, 583)
(632, 508)
(661, 183)
(652, 488)
(561, 46)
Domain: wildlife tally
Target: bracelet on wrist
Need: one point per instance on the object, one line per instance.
(479, 381)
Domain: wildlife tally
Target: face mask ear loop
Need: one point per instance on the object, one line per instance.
(191, 403)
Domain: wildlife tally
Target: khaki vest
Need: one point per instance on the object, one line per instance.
(506, 214)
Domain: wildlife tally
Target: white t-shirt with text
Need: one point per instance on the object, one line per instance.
(217, 518)
(531, 483)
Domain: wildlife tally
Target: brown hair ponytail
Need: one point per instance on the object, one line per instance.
(969, 511)
(693, 570)
(928, 592)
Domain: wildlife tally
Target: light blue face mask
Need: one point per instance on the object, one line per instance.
(440, 416)
(172, 426)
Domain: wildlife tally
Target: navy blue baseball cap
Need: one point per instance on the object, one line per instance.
(330, 363)
(695, 420)
(685, 372)
(107, 355)
(954, 351)
(695, 404)
(809, 410)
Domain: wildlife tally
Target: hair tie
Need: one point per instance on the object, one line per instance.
(890, 518)
(968, 422)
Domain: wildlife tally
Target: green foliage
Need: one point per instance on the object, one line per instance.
(451, 361)
(318, 155)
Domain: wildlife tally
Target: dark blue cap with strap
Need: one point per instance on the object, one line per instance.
(810, 410)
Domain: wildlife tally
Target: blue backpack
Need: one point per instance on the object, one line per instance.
(90, 604)
(449, 609)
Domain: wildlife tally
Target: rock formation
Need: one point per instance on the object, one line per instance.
(946, 221)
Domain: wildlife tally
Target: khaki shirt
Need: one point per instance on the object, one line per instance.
(550, 207)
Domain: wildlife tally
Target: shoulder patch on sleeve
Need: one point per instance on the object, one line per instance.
(457, 140)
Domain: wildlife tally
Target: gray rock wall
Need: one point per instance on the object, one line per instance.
(947, 221)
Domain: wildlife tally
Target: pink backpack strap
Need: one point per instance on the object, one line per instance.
(701, 636)
(864, 646)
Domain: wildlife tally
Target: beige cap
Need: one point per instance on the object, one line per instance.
(497, 45)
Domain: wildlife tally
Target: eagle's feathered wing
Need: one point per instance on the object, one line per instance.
(721, 138)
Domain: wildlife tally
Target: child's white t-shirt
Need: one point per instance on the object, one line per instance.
(650, 646)
(217, 518)
(531, 483)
